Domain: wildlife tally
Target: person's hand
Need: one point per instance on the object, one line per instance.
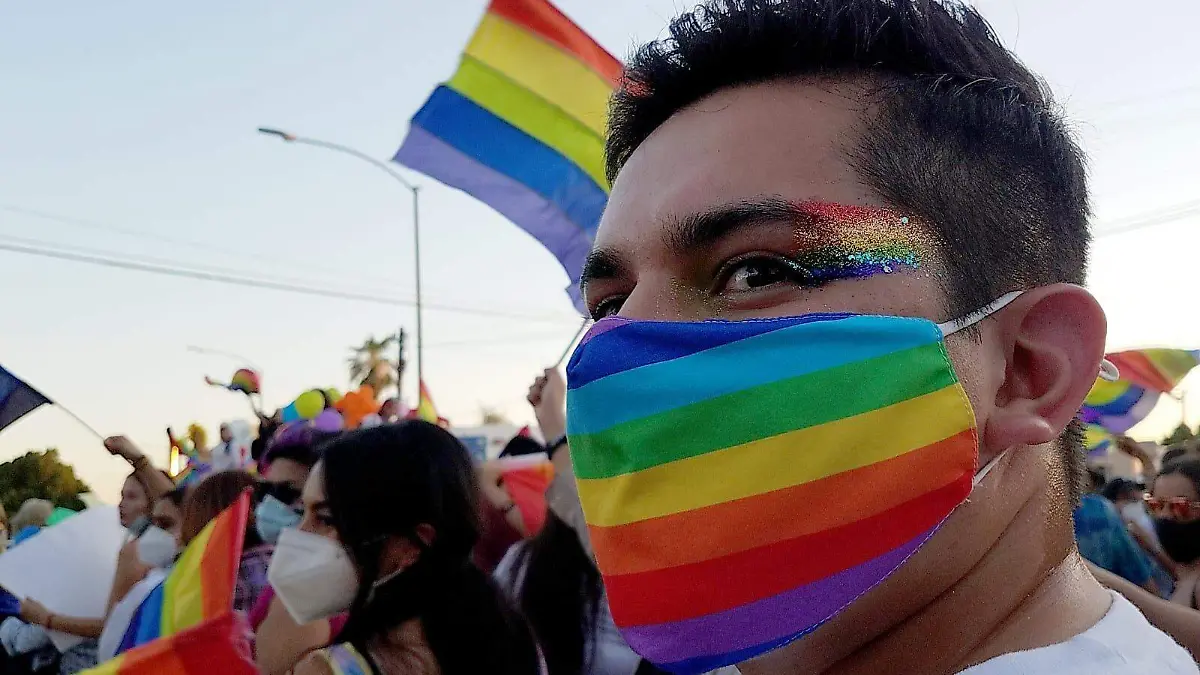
(34, 612)
(548, 396)
(490, 484)
(123, 448)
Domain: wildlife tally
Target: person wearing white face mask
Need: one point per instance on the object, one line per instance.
(280, 642)
(389, 524)
(157, 548)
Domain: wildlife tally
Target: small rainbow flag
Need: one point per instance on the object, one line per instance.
(520, 126)
(219, 645)
(200, 586)
(1146, 374)
(425, 409)
(526, 479)
(690, 450)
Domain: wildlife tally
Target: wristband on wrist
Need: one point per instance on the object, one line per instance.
(559, 442)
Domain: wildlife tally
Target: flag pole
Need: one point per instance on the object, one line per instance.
(78, 419)
(571, 344)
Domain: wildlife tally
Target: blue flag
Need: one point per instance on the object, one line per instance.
(17, 398)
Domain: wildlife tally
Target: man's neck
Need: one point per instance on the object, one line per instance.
(1007, 601)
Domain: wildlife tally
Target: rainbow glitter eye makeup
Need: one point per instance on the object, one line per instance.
(840, 241)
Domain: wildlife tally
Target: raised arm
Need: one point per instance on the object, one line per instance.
(548, 396)
(157, 483)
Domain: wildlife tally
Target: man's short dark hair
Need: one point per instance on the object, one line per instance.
(961, 133)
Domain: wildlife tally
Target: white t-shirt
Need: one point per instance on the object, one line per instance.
(1121, 643)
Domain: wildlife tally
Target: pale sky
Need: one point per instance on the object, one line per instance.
(140, 115)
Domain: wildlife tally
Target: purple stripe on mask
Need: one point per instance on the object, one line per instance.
(764, 622)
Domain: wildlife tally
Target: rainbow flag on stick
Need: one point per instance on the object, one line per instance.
(520, 126)
(200, 586)
(219, 645)
(425, 409)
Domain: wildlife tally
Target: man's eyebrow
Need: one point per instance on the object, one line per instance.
(685, 234)
(601, 263)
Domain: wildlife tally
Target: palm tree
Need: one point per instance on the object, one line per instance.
(372, 363)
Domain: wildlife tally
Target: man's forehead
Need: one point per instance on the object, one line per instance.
(788, 139)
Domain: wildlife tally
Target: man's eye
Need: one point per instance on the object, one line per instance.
(755, 273)
(607, 307)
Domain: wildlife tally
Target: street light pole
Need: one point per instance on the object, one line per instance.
(414, 189)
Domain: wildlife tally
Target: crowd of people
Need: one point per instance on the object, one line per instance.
(339, 567)
(1147, 531)
(826, 420)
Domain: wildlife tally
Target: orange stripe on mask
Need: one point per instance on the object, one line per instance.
(781, 515)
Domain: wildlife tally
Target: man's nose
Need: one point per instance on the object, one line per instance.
(664, 299)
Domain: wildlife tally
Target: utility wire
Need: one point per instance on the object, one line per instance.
(1162, 217)
(226, 278)
(154, 236)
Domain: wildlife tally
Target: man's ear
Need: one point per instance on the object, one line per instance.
(1053, 341)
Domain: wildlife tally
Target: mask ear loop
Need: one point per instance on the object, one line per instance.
(953, 326)
(1108, 370)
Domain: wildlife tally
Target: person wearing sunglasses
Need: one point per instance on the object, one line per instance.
(1175, 505)
(286, 463)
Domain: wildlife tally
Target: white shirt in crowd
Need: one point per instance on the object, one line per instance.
(1122, 643)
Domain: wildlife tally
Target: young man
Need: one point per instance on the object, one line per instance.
(788, 158)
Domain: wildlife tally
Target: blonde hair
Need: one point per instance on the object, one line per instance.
(33, 512)
(198, 436)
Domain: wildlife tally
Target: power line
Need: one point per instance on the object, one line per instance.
(1162, 217)
(153, 236)
(222, 277)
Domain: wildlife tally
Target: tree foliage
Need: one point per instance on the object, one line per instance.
(40, 475)
(489, 415)
(374, 363)
(1182, 433)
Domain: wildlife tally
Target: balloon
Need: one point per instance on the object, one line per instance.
(289, 413)
(372, 420)
(356, 405)
(333, 394)
(245, 381)
(328, 420)
(309, 404)
(58, 515)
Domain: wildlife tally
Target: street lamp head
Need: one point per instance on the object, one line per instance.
(276, 132)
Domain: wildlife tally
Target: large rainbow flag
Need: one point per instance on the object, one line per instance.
(200, 586)
(1146, 374)
(219, 645)
(520, 126)
(683, 436)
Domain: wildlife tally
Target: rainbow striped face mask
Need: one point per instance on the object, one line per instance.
(745, 481)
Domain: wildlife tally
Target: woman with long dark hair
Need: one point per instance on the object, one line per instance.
(558, 589)
(390, 518)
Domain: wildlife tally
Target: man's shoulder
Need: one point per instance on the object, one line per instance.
(1122, 643)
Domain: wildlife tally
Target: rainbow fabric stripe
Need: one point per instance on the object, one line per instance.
(716, 463)
(219, 645)
(200, 586)
(1158, 370)
(520, 126)
(425, 409)
(1096, 440)
(1146, 374)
